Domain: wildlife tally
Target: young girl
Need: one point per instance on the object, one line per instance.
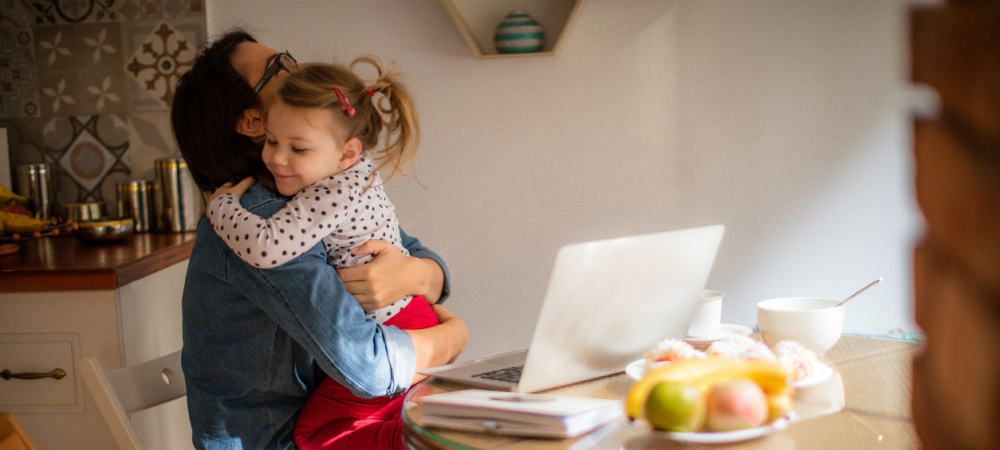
(321, 125)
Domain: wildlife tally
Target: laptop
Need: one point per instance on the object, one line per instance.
(607, 304)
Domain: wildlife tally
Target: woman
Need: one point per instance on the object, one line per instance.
(257, 343)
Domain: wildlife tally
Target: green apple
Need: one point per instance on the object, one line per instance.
(778, 406)
(675, 407)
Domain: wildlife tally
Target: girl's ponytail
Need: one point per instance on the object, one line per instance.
(368, 112)
(396, 113)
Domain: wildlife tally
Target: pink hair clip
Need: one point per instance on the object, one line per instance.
(371, 92)
(344, 104)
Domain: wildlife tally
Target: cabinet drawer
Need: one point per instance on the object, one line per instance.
(40, 353)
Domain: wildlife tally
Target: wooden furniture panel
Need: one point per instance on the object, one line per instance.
(32, 354)
(137, 322)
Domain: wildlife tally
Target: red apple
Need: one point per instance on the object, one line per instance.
(16, 209)
(736, 404)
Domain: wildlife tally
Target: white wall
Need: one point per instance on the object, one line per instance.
(781, 119)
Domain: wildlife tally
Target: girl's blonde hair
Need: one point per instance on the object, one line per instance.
(384, 106)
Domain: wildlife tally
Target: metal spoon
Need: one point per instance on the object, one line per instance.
(873, 283)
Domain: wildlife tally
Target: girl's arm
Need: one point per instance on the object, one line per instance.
(294, 229)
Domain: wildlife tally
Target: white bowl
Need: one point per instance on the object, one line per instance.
(814, 322)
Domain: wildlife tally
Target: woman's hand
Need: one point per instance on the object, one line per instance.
(461, 331)
(390, 276)
(229, 188)
(440, 344)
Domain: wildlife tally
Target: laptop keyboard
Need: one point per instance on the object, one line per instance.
(511, 374)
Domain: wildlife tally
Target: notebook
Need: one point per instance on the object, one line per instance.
(608, 302)
(517, 414)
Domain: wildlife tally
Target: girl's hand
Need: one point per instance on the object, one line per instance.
(236, 190)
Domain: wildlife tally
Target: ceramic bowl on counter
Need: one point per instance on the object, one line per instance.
(816, 323)
(105, 229)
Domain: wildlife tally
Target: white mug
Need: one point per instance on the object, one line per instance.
(707, 316)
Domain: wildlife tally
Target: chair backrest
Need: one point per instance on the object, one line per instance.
(122, 391)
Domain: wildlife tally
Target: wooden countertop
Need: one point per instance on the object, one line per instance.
(65, 264)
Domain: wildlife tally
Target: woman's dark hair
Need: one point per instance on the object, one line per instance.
(208, 101)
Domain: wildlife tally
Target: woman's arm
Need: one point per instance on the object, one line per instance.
(392, 275)
(440, 344)
(439, 285)
(306, 299)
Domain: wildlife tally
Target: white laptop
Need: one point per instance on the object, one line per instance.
(607, 304)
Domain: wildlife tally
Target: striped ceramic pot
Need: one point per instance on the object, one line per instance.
(518, 33)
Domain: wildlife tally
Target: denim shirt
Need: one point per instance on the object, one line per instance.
(257, 342)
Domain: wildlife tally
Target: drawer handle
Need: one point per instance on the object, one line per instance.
(55, 373)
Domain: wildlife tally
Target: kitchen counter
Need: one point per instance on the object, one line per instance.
(66, 264)
(61, 301)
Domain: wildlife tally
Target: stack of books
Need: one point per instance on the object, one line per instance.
(511, 413)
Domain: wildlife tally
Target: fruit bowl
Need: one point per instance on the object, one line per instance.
(724, 437)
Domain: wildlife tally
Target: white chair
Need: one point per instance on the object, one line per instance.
(123, 391)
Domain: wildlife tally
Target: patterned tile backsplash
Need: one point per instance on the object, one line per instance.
(86, 85)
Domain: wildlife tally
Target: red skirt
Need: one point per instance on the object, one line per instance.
(335, 418)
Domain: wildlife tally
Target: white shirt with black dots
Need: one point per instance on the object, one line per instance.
(344, 211)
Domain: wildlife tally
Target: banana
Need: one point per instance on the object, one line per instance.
(8, 197)
(677, 371)
(18, 223)
(772, 377)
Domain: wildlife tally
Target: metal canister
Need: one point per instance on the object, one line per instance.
(137, 199)
(35, 182)
(83, 212)
(179, 204)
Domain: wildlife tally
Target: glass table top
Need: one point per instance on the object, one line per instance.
(865, 402)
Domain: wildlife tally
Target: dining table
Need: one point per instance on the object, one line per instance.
(863, 401)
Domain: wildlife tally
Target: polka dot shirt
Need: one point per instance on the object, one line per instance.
(343, 211)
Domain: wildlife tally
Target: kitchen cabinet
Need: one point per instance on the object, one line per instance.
(476, 21)
(61, 301)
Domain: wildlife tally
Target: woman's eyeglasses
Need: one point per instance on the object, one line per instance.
(284, 60)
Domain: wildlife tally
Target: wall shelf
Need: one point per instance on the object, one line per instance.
(477, 19)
